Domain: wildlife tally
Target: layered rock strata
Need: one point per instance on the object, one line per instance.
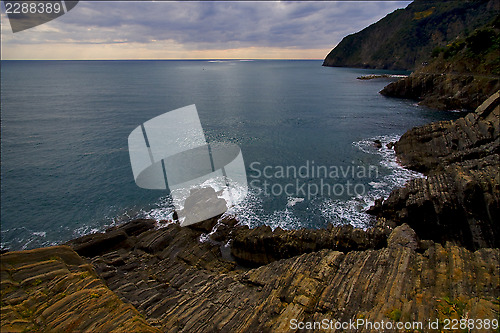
(183, 285)
(55, 290)
(444, 91)
(433, 256)
(459, 200)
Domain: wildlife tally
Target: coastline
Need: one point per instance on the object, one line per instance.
(242, 279)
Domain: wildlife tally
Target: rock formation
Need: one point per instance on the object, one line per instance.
(55, 290)
(459, 76)
(453, 91)
(459, 201)
(180, 284)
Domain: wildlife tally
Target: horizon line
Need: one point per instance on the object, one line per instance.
(173, 59)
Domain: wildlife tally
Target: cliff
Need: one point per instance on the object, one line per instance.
(459, 76)
(405, 39)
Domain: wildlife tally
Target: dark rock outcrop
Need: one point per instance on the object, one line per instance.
(458, 76)
(459, 201)
(441, 144)
(98, 243)
(444, 91)
(261, 246)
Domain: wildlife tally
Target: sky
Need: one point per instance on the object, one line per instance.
(194, 30)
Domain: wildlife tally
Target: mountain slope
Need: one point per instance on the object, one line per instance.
(459, 76)
(406, 38)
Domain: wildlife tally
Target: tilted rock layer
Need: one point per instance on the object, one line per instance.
(459, 200)
(183, 285)
(55, 290)
(433, 256)
(444, 91)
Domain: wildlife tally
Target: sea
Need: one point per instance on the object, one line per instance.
(306, 135)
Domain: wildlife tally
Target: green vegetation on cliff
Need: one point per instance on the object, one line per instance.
(460, 75)
(478, 53)
(407, 37)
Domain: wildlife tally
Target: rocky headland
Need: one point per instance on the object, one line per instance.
(433, 255)
(459, 200)
(451, 47)
(406, 38)
(459, 76)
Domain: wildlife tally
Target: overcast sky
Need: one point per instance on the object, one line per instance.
(194, 30)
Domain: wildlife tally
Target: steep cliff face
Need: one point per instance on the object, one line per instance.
(406, 38)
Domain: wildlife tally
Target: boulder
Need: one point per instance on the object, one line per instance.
(403, 236)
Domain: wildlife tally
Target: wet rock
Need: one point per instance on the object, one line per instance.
(114, 238)
(206, 225)
(99, 243)
(376, 208)
(136, 227)
(223, 230)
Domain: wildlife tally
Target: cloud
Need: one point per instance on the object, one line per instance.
(203, 26)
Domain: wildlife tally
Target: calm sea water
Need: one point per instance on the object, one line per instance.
(66, 170)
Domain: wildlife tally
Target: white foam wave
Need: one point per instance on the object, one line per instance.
(398, 175)
(23, 238)
(248, 205)
(293, 201)
(352, 211)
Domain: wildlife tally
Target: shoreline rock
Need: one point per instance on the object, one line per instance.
(380, 76)
(55, 290)
(459, 201)
(433, 255)
(444, 91)
(181, 284)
